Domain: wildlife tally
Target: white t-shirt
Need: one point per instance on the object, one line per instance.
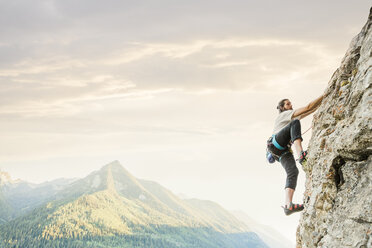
(283, 119)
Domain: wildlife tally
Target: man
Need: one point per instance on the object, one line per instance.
(287, 131)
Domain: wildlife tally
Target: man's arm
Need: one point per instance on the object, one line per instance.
(307, 113)
(310, 108)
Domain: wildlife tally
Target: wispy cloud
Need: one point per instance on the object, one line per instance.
(46, 85)
(57, 54)
(137, 51)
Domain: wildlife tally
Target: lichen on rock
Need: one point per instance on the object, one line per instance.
(338, 195)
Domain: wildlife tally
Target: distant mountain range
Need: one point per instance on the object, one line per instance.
(269, 235)
(112, 208)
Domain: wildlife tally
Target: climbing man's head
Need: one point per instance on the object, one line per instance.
(284, 105)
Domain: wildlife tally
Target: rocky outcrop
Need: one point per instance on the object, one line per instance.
(338, 196)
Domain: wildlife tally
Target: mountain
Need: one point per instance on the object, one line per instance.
(112, 208)
(5, 178)
(17, 196)
(270, 236)
(5, 209)
(338, 201)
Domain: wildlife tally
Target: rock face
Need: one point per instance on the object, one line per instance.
(338, 196)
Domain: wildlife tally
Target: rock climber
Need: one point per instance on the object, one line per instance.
(287, 131)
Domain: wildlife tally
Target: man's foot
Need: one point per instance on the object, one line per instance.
(292, 208)
(303, 157)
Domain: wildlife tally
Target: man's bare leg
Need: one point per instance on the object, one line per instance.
(298, 146)
(289, 196)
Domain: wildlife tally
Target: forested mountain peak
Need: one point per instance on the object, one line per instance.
(6, 179)
(110, 207)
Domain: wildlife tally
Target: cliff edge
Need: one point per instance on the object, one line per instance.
(338, 195)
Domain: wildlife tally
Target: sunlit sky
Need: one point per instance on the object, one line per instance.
(180, 92)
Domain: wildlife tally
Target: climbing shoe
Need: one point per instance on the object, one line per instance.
(302, 158)
(292, 208)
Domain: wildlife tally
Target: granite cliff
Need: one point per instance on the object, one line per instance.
(338, 195)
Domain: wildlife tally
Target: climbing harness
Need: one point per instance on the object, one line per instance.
(274, 151)
(276, 144)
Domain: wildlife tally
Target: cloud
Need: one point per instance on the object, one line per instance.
(45, 85)
(58, 54)
(136, 51)
(194, 66)
(166, 19)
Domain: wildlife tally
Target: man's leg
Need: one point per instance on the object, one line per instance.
(296, 137)
(289, 164)
(288, 196)
(298, 146)
(291, 133)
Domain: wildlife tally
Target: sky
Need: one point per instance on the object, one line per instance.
(183, 93)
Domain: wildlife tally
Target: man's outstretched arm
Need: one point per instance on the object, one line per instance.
(310, 108)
